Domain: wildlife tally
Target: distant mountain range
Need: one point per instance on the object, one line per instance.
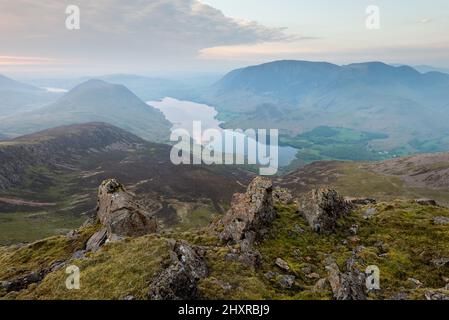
(298, 96)
(17, 96)
(93, 100)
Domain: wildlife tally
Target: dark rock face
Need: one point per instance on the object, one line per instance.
(97, 240)
(250, 212)
(118, 212)
(322, 208)
(179, 280)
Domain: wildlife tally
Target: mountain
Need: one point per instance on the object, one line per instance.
(299, 96)
(48, 180)
(93, 100)
(425, 69)
(16, 96)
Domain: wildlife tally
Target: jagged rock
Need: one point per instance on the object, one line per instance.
(426, 202)
(415, 282)
(322, 208)
(349, 285)
(441, 220)
(360, 201)
(120, 214)
(252, 258)
(97, 240)
(179, 280)
(282, 196)
(250, 212)
(282, 264)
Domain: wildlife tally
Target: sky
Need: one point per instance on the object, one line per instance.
(169, 36)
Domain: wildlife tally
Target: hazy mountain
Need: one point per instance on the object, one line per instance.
(298, 96)
(17, 96)
(425, 68)
(94, 100)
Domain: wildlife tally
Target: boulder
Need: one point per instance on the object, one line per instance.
(120, 214)
(179, 280)
(250, 213)
(282, 264)
(97, 240)
(426, 202)
(322, 208)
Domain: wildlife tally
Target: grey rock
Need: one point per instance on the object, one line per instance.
(441, 220)
(360, 201)
(282, 196)
(282, 264)
(426, 202)
(440, 262)
(97, 240)
(322, 208)
(250, 212)
(179, 280)
(369, 213)
(286, 281)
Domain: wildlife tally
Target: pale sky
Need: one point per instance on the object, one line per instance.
(144, 36)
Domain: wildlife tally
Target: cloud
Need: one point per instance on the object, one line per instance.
(114, 30)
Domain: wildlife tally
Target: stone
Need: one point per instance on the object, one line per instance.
(369, 213)
(426, 202)
(250, 212)
(97, 240)
(354, 229)
(440, 262)
(322, 208)
(322, 285)
(349, 285)
(360, 201)
(120, 214)
(179, 280)
(282, 264)
(415, 282)
(441, 220)
(436, 295)
(286, 281)
(270, 275)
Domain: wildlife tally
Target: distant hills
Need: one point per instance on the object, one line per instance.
(16, 96)
(93, 100)
(298, 96)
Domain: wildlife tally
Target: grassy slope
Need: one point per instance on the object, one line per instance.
(401, 239)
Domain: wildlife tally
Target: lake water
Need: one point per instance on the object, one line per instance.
(182, 114)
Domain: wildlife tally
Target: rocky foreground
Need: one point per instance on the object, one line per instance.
(269, 245)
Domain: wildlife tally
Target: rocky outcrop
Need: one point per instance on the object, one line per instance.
(179, 280)
(349, 285)
(118, 212)
(247, 221)
(120, 216)
(322, 208)
(250, 213)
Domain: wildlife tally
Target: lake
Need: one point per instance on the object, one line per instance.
(182, 114)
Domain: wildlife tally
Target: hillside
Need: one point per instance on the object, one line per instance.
(299, 96)
(16, 96)
(48, 179)
(93, 100)
(272, 251)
